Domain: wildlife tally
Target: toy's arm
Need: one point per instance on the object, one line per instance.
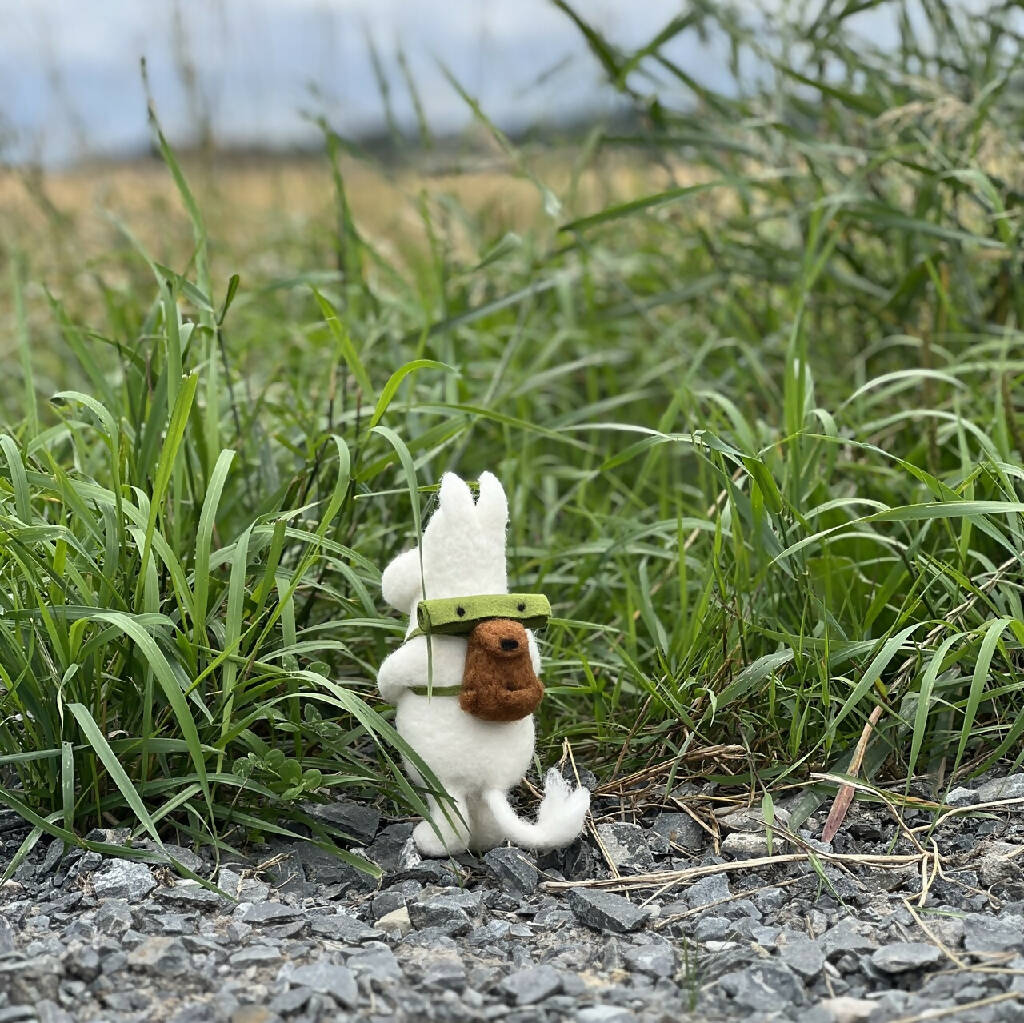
(409, 665)
(398, 672)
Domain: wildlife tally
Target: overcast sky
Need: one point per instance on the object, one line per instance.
(70, 82)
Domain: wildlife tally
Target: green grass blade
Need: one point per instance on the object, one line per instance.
(204, 537)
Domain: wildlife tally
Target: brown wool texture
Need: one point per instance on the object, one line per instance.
(499, 683)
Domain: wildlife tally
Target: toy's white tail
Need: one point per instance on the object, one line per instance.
(559, 818)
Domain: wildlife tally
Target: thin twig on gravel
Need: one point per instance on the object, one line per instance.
(618, 786)
(664, 921)
(956, 1010)
(958, 811)
(590, 826)
(670, 877)
(937, 942)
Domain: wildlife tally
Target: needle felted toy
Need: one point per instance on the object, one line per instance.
(465, 681)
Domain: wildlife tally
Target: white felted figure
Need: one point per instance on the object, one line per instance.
(465, 680)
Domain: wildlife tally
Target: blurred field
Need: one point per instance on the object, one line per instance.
(254, 203)
(273, 219)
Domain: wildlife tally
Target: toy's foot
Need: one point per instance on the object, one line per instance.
(486, 833)
(430, 845)
(452, 824)
(426, 841)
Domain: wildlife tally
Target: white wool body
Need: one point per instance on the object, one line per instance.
(463, 554)
(450, 741)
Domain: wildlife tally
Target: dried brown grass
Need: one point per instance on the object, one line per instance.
(64, 216)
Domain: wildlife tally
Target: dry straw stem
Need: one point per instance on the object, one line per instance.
(956, 1010)
(620, 786)
(936, 941)
(669, 878)
(844, 798)
(958, 811)
(664, 921)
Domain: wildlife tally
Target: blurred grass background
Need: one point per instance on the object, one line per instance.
(747, 360)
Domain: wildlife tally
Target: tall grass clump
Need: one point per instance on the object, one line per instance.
(169, 554)
(750, 373)
(845, 256)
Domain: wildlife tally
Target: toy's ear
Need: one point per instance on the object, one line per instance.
(492, 504)
(400, 582)
(455, 500)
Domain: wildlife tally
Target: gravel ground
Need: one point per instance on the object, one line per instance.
(674, 912)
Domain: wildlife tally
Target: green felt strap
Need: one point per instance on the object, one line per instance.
(435, 690)
(460, 615)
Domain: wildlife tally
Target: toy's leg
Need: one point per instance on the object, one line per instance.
(486, 832)
(454, 833)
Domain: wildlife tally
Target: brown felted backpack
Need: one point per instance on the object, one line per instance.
(499, 683)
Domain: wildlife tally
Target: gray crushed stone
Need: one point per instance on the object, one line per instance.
(518, 937)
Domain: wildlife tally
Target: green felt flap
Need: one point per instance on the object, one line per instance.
(456, 615)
